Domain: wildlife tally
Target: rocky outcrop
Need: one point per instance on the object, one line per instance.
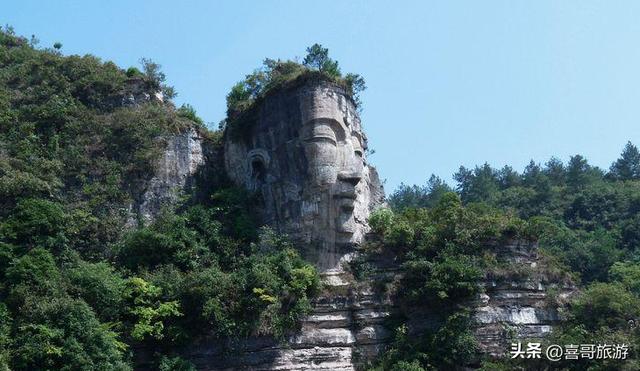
(182, 157)
(302, 148)
(137, 92)
(346, 329)
(524, 302)
(349, 324)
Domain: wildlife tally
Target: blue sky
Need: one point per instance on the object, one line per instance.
(450, 83)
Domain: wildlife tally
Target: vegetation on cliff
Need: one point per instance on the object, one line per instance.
(444, 252)
(81, 290)
(278, 74)
(585, 220)
(79, 138)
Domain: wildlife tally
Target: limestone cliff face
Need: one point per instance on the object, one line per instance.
(304, 151)
(349, 324)
(183, 155)
(525, 306)
(345, 330)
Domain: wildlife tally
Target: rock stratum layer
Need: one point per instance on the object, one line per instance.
(349, 325)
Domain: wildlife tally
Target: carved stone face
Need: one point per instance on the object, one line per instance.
(305, 156)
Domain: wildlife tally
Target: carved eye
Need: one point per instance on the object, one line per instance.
(321, 139)
(322, 133)
(357, 147)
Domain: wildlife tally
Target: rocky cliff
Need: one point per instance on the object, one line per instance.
(182, 157)
(302, 148)
(524, 306)
(303, 151)
(351, 320)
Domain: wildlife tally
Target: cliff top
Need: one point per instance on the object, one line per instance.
(281, 75)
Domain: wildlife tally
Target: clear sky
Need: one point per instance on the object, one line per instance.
(450, 83)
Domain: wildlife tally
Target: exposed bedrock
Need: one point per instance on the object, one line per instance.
(303, 150)
(174, 174)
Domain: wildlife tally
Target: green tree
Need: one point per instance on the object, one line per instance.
(318, 58)
(149, 311)
(100, 286)
(554, 169)
(61, 333)
(36, 222)
(606, 305)
(627, 273)
(580, 173)
(507, 177)
(187, 111)
(627, 167)
(479, 184)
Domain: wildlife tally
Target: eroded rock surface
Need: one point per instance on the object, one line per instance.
(346, 328)
(526, 306)
(303, 149)
(349, 325)
(181, 158)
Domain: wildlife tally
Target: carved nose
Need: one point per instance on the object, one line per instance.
(351, 177)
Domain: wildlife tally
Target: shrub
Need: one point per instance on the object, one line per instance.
(606, 305)
(63, 334)
(133, 72)
(175, 364)
(187, 111)
(36, 222)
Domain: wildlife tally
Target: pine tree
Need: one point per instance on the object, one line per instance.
(627, 167)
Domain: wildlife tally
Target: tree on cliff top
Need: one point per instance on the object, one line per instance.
(318, 58)
(275, 73)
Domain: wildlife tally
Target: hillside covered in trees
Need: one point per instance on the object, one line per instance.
(82, 287)
(80, 290)
(585, 219)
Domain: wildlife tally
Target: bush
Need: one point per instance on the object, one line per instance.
(36, 222)
(63, 334)
(175, 364)
(187, 111)
(628, 274)
(450, 278)
(275, 74)
(100, 286)
(133, 72)
(606, 305)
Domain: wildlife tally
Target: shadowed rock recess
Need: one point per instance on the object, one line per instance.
(303, 150)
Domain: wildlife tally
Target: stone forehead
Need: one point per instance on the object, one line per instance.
(329, 102)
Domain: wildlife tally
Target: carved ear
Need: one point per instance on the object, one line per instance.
(258, 170)
(258, 163)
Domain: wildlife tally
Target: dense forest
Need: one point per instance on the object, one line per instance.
(586, 221)
(85, 287)
(79, 290)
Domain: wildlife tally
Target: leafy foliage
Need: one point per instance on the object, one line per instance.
(591, 216)
(442, 252)
(81, 287)
(586, 223)
(275, 74)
